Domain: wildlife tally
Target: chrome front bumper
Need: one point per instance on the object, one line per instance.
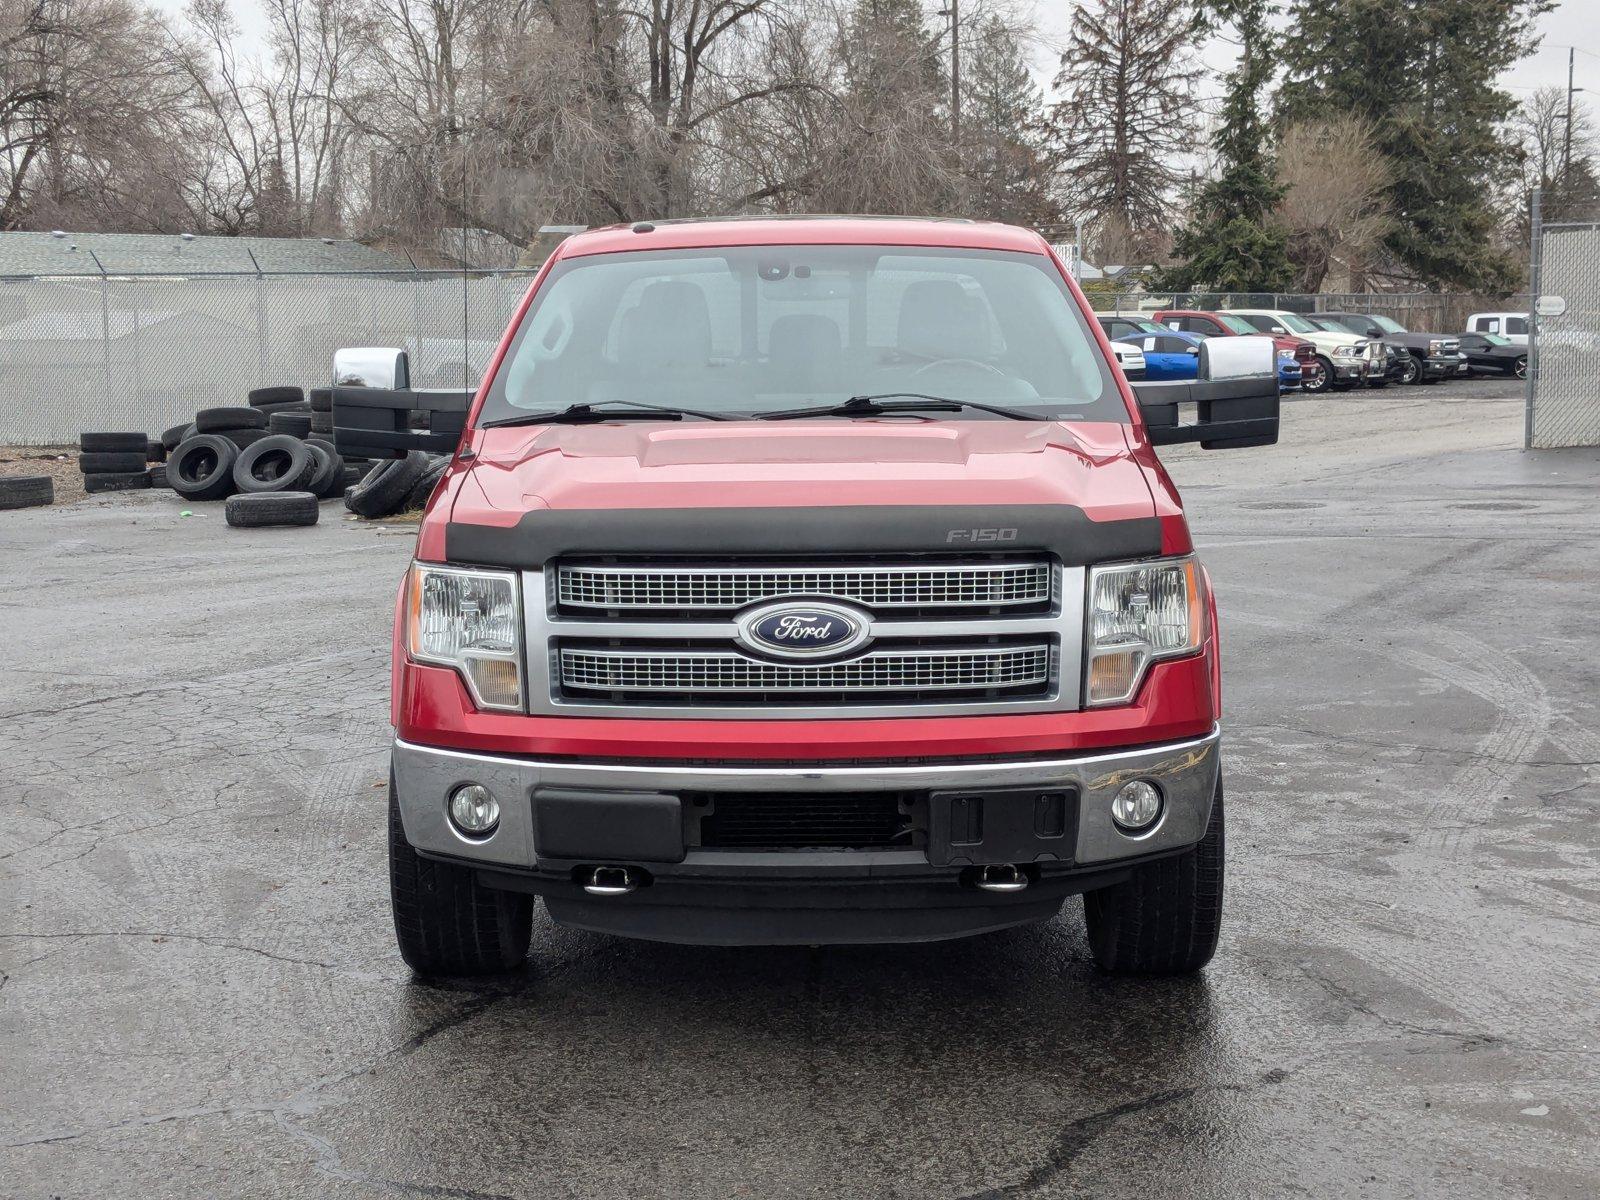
(425, 777)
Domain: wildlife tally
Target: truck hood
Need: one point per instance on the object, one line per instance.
(801, 464)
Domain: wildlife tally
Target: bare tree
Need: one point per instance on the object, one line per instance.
(1334, 183)
(1127, 120)
(1557, 163)
(92, 117)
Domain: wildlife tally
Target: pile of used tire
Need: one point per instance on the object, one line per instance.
(262, 460)
(271, 462)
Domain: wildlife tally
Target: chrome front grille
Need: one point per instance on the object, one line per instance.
(717, 588)
(987, 634)
(973, 668)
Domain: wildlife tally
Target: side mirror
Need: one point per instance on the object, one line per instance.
(1235, 398)
(1276, 329)
(371, 366)
(377, 414)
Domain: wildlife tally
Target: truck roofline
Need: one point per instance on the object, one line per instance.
(932, 232)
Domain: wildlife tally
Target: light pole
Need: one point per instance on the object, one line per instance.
(954, 13)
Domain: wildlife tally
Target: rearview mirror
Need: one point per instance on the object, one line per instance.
(1235, 398)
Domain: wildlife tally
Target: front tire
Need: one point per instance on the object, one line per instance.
(1520, 368)
(1319, 385)
(1410, 370)
(445, 921)
(1166, 918)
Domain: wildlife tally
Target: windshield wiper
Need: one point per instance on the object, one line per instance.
(883, 403)
(600, 410)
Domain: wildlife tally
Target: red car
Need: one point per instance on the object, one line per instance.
(805, 581)
(1218, 324)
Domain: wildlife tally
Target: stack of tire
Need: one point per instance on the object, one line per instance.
(119, 462)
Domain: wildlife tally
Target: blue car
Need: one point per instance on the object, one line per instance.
(1168, 353)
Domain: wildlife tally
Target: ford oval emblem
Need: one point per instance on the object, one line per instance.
(796, 630)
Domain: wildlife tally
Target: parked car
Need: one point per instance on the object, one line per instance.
(1426, 357)
(1491, 354)
(1217, 324)
(1513, 326)
(1385, 361)
(724, 627)
(1130, 359)
(1167, 354)
(1347, 360)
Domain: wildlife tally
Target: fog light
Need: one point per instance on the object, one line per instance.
(474, 810)
(1136, 806)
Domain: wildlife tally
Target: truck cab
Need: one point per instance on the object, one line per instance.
(805, 581)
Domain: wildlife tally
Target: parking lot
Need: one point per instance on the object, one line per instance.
(200, 995)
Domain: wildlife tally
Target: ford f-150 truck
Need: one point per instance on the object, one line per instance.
(805, 581)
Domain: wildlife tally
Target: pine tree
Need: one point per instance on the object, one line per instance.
(1230, 243)
(1127, 118)
(1423, 74)
(1002, 149)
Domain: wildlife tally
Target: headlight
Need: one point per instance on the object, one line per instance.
(1347, 351)
(1435, 348)
(472, 621)
(1139, 613)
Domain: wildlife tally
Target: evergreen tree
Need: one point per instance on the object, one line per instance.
(1128, 76)
(1423, 74)
(1002, 148)
(1230, 243)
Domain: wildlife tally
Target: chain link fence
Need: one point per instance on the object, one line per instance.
(1564, 335)
(131, 352)
(143, 352)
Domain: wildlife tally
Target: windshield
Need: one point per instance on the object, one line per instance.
(760, 329)
(1387, 324)
(1236, 324)
(1494, 339)
(1298, 324)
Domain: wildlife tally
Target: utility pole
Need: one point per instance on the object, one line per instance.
(1566, 141)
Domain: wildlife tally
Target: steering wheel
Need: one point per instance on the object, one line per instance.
(990, 368)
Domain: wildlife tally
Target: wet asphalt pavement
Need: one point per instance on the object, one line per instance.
(200, 994)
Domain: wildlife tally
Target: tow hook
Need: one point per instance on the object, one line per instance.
(1004, 877)
(611, 881)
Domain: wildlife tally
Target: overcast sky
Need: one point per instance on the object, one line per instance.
(1574, 23)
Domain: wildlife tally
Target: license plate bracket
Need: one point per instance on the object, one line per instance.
(983, 826)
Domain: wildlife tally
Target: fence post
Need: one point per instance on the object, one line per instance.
(105, 326)
(261, 322)
(1535, 284)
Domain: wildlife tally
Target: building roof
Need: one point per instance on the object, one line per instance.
(173, 254)
(802, 231)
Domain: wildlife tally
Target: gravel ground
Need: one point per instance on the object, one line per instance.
(201, 995)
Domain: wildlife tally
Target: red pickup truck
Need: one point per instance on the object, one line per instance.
(805, 581)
